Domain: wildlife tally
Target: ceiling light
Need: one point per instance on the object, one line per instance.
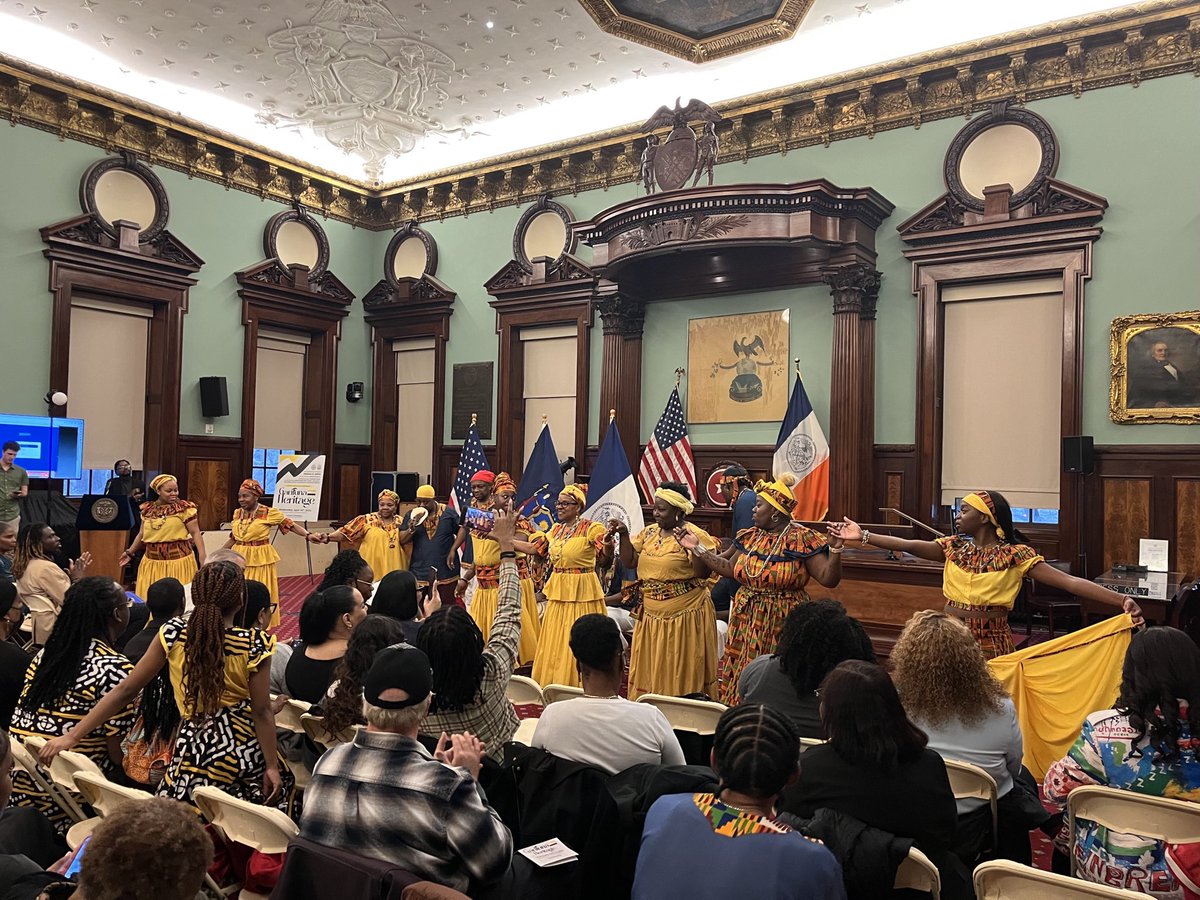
(490, 24)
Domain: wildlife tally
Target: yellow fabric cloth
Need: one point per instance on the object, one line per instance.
(985, 576)
(554, 662)
(249, 532)
(674, 649)
(378, 542)
(571, 591)
(485, 600)
(255, 648)
(165, 522)
(1055, 685)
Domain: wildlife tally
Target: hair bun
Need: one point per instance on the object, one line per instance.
(788, 478)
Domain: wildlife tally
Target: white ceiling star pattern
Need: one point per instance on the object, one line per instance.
(379, 91)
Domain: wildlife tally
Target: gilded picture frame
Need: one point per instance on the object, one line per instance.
(739, 367)
(1155, 369)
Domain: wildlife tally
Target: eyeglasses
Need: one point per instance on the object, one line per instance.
(360, 581)
(271, 607)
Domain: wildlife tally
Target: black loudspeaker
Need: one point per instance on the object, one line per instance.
(403, 483)
(1079, 454)
(214, 397)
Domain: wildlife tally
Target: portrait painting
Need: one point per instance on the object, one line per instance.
(739, 367)
(1156, 368)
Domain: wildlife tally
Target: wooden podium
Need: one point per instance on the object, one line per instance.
(104, 524)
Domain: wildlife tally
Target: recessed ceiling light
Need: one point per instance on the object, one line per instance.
(490, 24)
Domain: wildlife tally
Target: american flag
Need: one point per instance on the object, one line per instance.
(470, 461)
(668, 456)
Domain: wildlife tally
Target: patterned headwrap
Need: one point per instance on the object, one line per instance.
(248, 485)
(426, 492)
(779, 493)
(160, 480)
(675, 498)
(982, 501)
(505, 484)
(485, 475)
(392, 495)
(576, 492)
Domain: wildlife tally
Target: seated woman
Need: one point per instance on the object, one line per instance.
(602, 728)
(14, 660)
(950, 694)
(815, 637)
(77, 669)
(343, 702)
(350, 569)
(1144, 744)
(701, 846)
(396, 596)
(876, 768)
(41, 583)
(327, 619)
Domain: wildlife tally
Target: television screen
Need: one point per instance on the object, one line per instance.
(50, 448)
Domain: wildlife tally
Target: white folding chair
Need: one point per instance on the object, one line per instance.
(809, 743)
(1002, 879)
(1173, 821)
(917, 872)
(104, 797)
(522, 691)
(42, 782)
(555, 692)
(288, 718)
(694, 716)
(262, 828)
(314, 727)
(62, 776)
(525, 731)
(969, 781)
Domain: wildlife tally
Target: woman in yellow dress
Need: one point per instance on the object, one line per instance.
(674, 648)
(251, 537)
(169, 534)
(574, 546)
(772, 561)
(985, 562)
(377, 535)
(527, 542)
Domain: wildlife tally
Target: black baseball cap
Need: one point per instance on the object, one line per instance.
(402, 667)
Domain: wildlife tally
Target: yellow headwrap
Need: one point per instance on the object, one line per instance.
(675, 498)
(504, 484)
(983, 502)
(426, 492)
(779, 493)
(159, 480)
(395, 498)
(576, 492)
(253, 487)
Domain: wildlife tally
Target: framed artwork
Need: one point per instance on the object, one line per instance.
(1156, 369)
(738, 367)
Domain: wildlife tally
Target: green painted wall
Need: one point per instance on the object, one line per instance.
(1137, 147)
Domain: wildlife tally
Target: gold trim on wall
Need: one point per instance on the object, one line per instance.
(1126, 331)
(1126, 46)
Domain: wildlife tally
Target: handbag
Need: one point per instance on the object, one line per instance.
(146, 761)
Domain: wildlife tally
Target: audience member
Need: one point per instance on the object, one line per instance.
(384, 796)
(8, 546)
(41, 582)
(76, 670)
(165, 602)
(219, 673)
(24, 832)
(950, 694)
(602, 728)
(327, 619)
(697, 846)
(350, 569)
(14, 484)
(221, 554)
(815, 637)
(876, 768)
(470, 680)
(13, 659)
(1144, 744)
(342, 704)
(123, 484)
(397, 597)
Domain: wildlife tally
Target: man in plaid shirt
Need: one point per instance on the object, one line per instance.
(385, 796)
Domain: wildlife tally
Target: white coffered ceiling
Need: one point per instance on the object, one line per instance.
(390, 90)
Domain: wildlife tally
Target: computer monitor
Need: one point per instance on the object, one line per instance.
(50, 447)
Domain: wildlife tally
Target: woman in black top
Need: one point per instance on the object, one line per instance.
(13, 660)
(326, 620)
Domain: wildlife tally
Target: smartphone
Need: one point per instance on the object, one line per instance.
(77, 859)
(480, 521)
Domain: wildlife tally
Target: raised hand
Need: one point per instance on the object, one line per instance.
(845, 530)
(504, 529)
(78, 567)
(687, 539)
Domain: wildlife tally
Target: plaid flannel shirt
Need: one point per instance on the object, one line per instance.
(491, 717)
(385, 797)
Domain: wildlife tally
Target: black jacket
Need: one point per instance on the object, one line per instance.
(869, 856)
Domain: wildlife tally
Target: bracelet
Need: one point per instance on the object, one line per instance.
(833, 549)
(866, 538)
(508, 554)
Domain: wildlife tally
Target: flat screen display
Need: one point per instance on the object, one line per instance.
(50, 448)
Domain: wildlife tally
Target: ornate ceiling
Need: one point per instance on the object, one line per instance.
(379, 91)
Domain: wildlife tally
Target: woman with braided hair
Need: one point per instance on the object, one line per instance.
(731, 843)
(343, 702)
(220, 674)
(169, 534)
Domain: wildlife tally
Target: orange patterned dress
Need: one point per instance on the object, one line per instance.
(770, 569)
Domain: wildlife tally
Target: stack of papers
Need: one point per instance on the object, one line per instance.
(550, 853)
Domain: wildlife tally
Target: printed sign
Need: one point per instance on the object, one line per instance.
(298, 485)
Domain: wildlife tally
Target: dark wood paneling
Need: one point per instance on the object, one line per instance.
(351, 481)
(1126, 518)
(210, 470)
(1187, 524)
(895, 482)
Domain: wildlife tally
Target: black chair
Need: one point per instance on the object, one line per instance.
(1040, 598)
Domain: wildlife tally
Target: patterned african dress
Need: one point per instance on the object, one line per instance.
(168, 544)
(102, 670)
(770, 567)
(572, 591)
(221, 750)
(252, 539)
(981, 584)
(674, 648)
(379, 542)
(486, 553)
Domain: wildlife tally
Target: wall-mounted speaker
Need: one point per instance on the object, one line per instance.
(214, 396)
(1079, 454)
(403, 483)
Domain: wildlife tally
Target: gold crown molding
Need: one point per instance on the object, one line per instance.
(779, 27)
(1149, 40)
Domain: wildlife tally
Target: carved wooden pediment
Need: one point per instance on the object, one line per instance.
(566, 268)
(84, 236)
(324, 296)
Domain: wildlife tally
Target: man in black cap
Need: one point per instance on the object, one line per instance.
(385, 796)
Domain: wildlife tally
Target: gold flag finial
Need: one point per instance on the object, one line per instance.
(797, 362)
(612, 414)
(544, 420)
(679, 370)
(474, 418)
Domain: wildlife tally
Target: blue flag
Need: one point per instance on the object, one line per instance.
(612, 492)
(541, 482)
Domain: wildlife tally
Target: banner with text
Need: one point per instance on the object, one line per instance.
(298, 485)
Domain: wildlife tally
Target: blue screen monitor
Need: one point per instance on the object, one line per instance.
(50, 448)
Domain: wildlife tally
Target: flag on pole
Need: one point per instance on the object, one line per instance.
(612, 493)
(541, 482)
(668, 456)
(470, 461)
(801, 449)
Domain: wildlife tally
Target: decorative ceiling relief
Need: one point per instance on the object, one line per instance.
(372, 87)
